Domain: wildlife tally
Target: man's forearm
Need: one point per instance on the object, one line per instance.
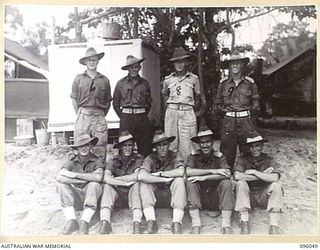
(245, 177)
(178, 172)
(146, 177)
(117, 109)
(267, 177)
(67, 180)
(196, 171)
(215, 177)
(75, 105)
(128, 177)
(106, 110)
(97, 177)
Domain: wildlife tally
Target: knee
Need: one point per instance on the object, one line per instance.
(276, 187)
(242, 185)
(179, 181)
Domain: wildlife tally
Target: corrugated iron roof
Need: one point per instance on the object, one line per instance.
(276, 67)
(15, 49)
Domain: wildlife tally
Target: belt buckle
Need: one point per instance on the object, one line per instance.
(132, 111)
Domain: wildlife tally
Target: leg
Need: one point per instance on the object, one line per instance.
(226, 204)
(187, 129)
(143, 134)
(82, 125)
(229, 140)
(99, 129)
(272, 199)
(243, 205)
(178, 199)
(194, 203)
(92, 193)
(170, 127)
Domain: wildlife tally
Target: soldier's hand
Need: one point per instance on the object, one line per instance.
(156, 173)
(251, 171)
(194, 179)
(268, 170)
(130, 183)
(168, 180)
(224, 172)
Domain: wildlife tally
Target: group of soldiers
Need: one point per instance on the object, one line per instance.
(179, 168)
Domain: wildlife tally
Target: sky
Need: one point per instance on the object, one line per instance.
(253, 31)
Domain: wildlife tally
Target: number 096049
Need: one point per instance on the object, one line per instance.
(308, 246)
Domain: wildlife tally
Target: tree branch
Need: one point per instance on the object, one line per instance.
(244, 19)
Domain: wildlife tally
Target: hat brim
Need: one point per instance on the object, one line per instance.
(83, 59)
(125, 67)
(179, 58)
(170, 139)
(197, 138)
(93, 141)
(225, 64)
(118, 145)
(262, 141)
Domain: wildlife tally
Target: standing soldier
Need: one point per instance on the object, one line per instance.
(181, 93)
(238, 99)
(132, 103)
(91, 97)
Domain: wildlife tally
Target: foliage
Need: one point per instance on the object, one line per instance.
(287, 40)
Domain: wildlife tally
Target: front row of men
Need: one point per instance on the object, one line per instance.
(163, 180)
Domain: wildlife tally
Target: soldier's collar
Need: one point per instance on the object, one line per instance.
(96, 76)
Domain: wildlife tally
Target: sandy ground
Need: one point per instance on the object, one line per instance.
(30, 201)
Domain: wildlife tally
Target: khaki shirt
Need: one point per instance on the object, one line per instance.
(132, 95)
(120, 167)
(74, 164)
(236, 98)
(91, 93)
(260, 163)
(181, 91)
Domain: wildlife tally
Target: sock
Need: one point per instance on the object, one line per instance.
(105, 214)
(226, 218)
(195, 217)
(137, 214)
(69, 213)
(177, 215)
(275, 218)
(87, 214)
(149, 213)
(244, 216)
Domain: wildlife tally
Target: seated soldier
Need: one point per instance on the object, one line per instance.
(79, 184)
(209, 184)
(162, 183)
(257, 185)
(120, 187)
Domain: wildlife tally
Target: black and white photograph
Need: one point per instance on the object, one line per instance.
(160, 120)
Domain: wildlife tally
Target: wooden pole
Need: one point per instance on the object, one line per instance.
(200, 74)
(77, 25)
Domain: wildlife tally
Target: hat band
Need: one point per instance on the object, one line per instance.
(254, 139)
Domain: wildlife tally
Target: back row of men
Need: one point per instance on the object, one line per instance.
(237, 99)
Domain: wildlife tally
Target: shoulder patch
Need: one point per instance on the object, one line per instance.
(195, 152)
(167, 77)
(224, 79)
(249, 79)
(217, 154)
(194, 75)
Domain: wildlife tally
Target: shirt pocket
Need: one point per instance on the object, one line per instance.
(245, 95)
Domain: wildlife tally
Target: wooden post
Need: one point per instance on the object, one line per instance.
(135, 22)
(77, 25)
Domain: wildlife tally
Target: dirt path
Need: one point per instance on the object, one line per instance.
(30, 202)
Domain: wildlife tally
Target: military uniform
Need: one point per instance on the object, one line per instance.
(258, 193)
(132, 102)
(80, 195)
(236, 104)
(215, 195)
(93, 97)
(121, 196)
(180, 118)
(162, 194)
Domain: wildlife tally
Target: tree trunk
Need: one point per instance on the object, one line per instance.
(77, 25)
(135, 22)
